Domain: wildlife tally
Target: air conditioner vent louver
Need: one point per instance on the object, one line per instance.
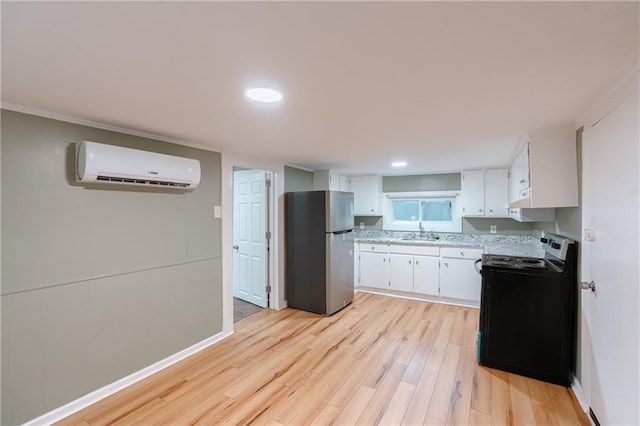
(101, 163)
(112, 179)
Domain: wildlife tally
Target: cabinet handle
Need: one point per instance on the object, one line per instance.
(490, 210)
(446, 264)
(384, 259)
(409, 262)
(480, 210)
(416, 262)
(462, 253)
(521, 180)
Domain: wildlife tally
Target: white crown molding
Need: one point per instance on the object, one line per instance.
(298, 167)
(103, 126)
(623, 89)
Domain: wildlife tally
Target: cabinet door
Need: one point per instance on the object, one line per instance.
(426, 275)
(367, 193)
(374, 270)
(473, 193)
(401, 272)
(345, 183)
(334, 182)
(356, 265)
(459, 279)
(524, 167)
(496, 192)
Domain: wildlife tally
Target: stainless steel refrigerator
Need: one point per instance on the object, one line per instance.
(319, 250)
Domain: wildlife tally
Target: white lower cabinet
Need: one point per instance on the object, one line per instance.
(414, 269)
(401, 272)
(356, 265)
(374, 269)
(426, 275)
(458, 277)
(446, 272)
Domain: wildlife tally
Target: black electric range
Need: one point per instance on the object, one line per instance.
(528, 312)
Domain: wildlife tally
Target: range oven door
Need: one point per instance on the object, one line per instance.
(478, 266)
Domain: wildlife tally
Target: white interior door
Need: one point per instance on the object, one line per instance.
(610, 210)
(249, 236)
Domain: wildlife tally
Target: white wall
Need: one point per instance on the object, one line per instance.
(229, 161)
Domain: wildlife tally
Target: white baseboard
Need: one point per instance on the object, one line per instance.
(576, 388)
(97, 395)
(419, 297)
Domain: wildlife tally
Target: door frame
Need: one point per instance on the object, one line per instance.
(276, 223)
(267, 229)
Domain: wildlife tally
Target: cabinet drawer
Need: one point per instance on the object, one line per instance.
(374, 248)
(415, 250)
(461, 252)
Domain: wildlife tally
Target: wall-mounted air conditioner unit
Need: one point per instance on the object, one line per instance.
(101, 163)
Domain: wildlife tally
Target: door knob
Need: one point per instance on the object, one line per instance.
(588, 286)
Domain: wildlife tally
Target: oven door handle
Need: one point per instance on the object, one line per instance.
(478, 266)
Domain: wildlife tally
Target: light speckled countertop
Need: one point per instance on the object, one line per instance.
(511, 245)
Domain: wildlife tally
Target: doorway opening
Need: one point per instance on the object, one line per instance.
(251, 241)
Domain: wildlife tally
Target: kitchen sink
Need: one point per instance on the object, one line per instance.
(435, 238)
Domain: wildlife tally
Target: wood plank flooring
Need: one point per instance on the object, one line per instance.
(381, 360)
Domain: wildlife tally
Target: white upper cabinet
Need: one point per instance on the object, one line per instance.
(367, 195)
(472, 186)
(485, 193)
(345, 183)
(496, 192)
(329, 180)
(520, 172)
(544, 173)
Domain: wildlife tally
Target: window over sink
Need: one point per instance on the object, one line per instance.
(433, 210)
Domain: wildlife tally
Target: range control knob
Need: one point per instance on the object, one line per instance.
(555, 245)
(544, 240)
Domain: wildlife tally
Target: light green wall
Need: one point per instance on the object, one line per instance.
(448, 182)
(97, 282)
(297, 179)
(370, 222)
(434, 182)
(504, 226)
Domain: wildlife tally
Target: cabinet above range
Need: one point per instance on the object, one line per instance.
(544, 173)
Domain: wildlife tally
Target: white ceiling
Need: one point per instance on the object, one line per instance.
(443, 85)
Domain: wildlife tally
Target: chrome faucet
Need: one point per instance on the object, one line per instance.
(421, 229)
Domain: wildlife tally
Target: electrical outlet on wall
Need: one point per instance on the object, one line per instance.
(493, 229)
(361, 225)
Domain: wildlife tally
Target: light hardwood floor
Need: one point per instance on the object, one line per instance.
(381, 360)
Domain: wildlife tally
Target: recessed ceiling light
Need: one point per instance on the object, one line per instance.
(263, 94)
(399, 164)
